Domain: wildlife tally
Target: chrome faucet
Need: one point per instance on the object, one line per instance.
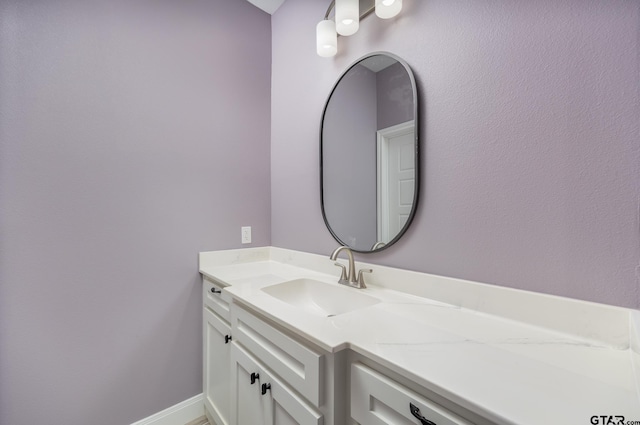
(349, 278)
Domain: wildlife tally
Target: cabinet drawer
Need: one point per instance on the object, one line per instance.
(377, 399)
(215, 299)
(298, 365)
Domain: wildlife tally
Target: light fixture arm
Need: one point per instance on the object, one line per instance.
(332, 5)
(366, 9)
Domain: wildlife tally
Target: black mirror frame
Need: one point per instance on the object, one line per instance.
(416, 144)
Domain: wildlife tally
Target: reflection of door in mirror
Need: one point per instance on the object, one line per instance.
(396, 178)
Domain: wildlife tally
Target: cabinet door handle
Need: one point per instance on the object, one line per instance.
(254, 376)
(216, 291)
(416, 412)
(265, 387)
(227, 338)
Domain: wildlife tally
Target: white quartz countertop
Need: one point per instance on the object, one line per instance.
(508, 370)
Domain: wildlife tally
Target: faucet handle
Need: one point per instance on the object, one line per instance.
(343, 275)
(361, 277)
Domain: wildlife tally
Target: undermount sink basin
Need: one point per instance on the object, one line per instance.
(320, 298)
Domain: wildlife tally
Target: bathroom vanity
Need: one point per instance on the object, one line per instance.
(285, 344)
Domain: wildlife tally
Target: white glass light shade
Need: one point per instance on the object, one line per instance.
(347, 16)
(326, 38)
(386, 9)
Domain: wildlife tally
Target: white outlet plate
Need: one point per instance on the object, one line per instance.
(245, 234)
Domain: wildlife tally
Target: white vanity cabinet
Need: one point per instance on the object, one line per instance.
(460, 352)
(217, 350)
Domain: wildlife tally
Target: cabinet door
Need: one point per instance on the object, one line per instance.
(266, 401)
(285, 407)
(216, 367)
(248, 406)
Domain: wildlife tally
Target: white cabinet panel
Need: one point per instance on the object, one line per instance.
(216, 367)
(378, 400)
(248, 406)
(287, 408)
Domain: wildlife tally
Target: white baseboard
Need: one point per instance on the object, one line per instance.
(179, 414)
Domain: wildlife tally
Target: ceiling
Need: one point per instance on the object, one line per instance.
(268, 6)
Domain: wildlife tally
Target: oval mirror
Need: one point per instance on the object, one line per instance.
(369, 160)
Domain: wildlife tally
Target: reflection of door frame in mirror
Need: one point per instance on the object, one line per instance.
(383, 139)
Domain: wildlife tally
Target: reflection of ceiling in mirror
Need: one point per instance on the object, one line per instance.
(269, 6)
(378, 62)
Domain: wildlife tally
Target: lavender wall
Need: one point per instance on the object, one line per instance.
(529, 124)
(396, 104)
(132, 136)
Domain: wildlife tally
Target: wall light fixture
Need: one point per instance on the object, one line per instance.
(346, 20)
